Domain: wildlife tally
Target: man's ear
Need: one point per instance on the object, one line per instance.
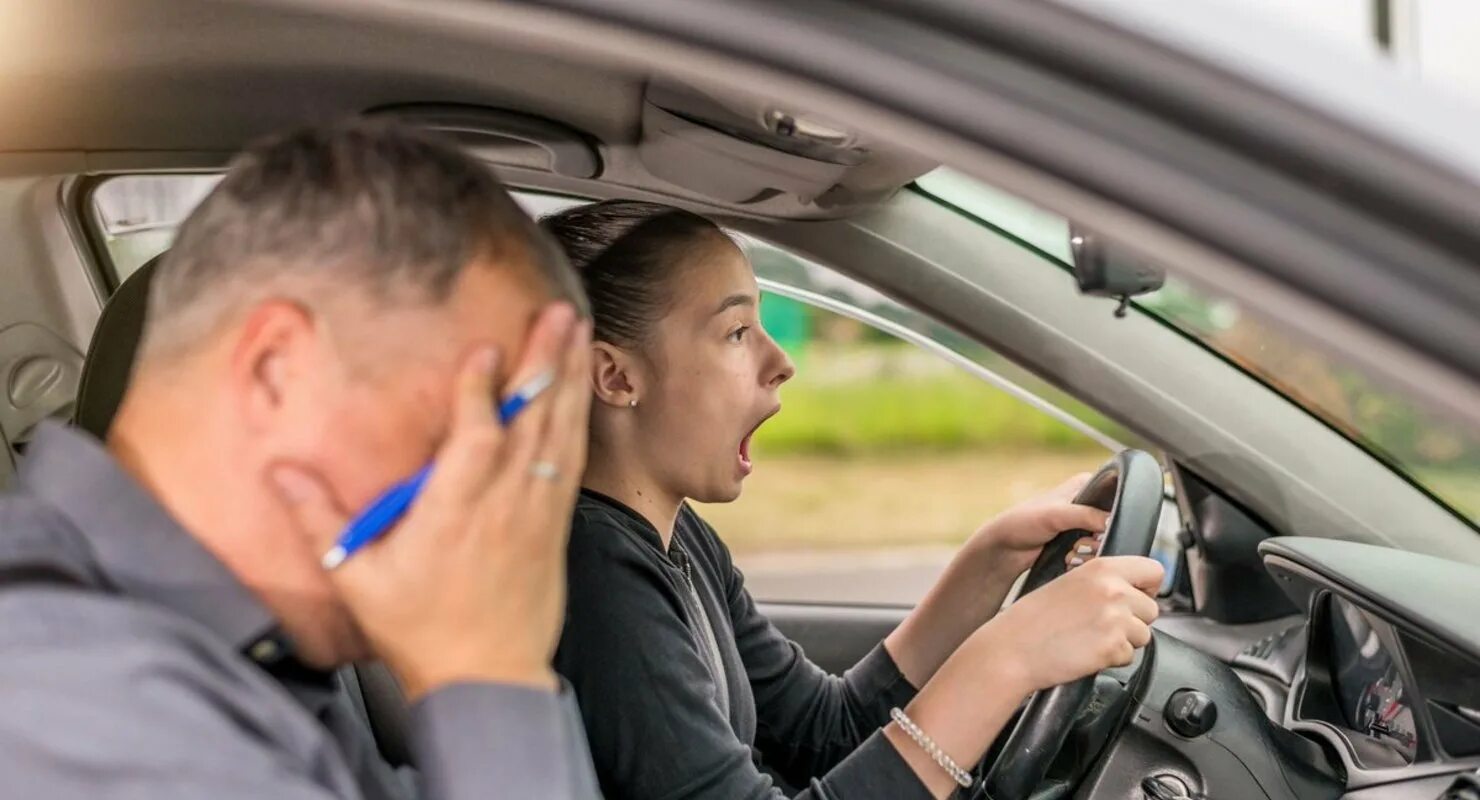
(276, 346)
(612, 375)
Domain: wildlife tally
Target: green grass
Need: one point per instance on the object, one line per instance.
(935, 413)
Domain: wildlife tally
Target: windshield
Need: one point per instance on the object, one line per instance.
(1439, 457)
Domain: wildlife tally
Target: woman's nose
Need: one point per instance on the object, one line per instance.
(784, 369)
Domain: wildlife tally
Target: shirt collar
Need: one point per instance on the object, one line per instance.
(137, 546)
(316, 689)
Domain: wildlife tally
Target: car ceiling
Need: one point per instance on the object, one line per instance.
(152, 84)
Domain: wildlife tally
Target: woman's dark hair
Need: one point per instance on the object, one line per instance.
(627, 253)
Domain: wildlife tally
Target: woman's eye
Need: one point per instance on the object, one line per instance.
(738, 335)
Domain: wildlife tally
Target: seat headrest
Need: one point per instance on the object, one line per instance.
(110, 354)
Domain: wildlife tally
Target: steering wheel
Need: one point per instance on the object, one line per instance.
(1130, 488)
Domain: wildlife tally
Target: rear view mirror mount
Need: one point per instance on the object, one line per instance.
(1105, 270)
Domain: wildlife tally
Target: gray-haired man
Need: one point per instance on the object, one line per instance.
(341, 310)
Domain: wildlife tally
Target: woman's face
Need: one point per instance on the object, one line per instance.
(712, 377)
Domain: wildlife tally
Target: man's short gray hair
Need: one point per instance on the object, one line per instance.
(388, 210)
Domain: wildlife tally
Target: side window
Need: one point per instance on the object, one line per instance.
(136, 215)
(897, 440)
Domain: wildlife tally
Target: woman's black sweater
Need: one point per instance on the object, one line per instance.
(687, 690)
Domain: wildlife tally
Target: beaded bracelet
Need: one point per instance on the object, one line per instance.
(931, 749)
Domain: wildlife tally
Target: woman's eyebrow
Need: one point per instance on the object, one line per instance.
(734, 300)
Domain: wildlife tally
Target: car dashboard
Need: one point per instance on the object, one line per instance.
(1354, 682)
(1386, 669)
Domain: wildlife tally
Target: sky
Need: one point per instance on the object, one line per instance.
(1437, 39)
(1448, 33)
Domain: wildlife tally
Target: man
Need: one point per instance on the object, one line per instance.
(344, 308)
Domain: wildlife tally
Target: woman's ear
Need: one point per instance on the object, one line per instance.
(612, 375)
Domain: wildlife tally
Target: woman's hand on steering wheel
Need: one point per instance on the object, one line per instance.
(1090, 619)
(1013, 539)
(1070, 622)
(1084, 549)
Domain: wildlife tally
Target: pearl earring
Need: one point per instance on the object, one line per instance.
(632, 403)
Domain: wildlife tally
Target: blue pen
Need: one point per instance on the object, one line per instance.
(379, 516)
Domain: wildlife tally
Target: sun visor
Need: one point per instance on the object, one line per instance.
(745, 149)
(718, 165)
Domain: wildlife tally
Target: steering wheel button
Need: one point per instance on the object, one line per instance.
(1190, 713)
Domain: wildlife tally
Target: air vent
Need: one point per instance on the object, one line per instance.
(1263, 648)
(1276, 655)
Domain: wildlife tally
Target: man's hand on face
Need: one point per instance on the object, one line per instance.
(471, 584)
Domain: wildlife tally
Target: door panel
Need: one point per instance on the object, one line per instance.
(834, 637)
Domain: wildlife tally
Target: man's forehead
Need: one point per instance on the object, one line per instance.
(497, 304)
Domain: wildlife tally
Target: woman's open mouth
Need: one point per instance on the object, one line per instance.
(746, 465)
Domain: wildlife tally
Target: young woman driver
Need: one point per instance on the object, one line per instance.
(687, 690)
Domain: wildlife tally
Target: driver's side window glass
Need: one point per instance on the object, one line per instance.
(898, 438)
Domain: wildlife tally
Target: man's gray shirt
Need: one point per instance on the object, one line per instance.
(134, 664)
